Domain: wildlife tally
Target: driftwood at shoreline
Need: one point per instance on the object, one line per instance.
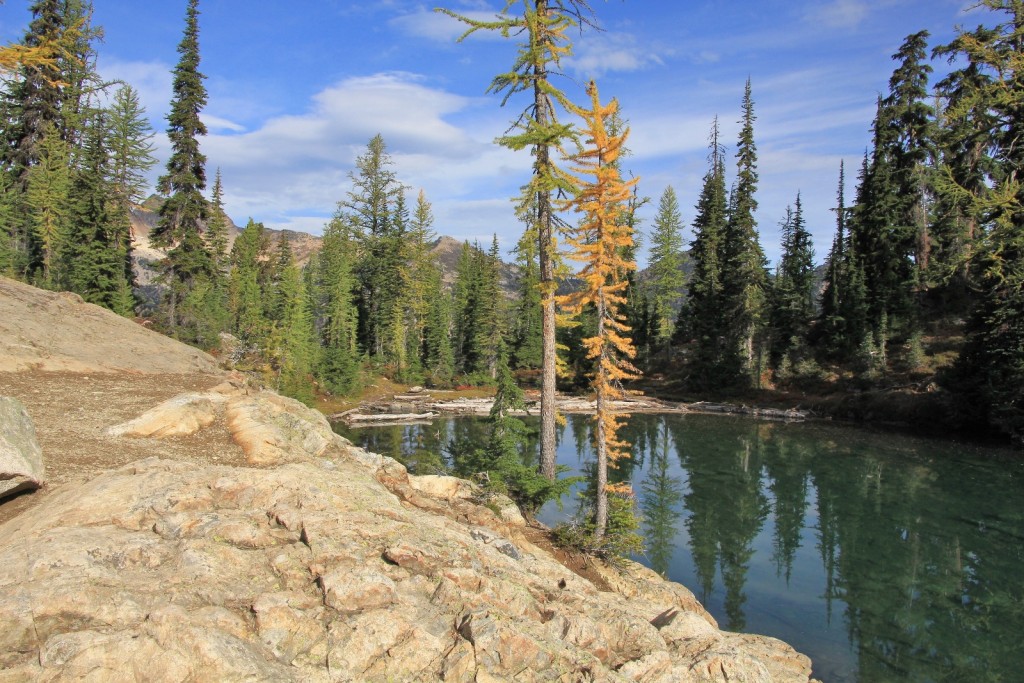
(791, 414)
(482, 406)
(388, 417)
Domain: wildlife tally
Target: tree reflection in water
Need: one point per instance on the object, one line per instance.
(883, 557)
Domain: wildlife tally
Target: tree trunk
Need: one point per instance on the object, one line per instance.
(601, 437)
(547, 277)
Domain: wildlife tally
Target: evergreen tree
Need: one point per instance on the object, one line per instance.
(95, 253)
(337, 316)
(131, 145)
(544, 23)
(989, 375)
(911, 136)
(45, 202)
(246, 294)
(296, 346)
(370, 208)
(421, 276)
(35, 98)
(793, 292)
(10, 258)
(478, 311)
(217, 228)
(965, 170)
(666, 262)
(890, 219)
(527, 340)
(833, 332)
(488, 323)
(598, 243)
(705, 319)
(188, 263)
(440, 357)
(743, 262)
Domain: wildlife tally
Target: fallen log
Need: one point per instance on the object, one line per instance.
(388, 417)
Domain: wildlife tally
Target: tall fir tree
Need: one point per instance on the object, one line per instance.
(245, 290)
(743, 272)
(184, 213)
(439, 360)
(832, 326)
(705, 319)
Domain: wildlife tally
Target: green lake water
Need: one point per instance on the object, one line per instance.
(883, 557)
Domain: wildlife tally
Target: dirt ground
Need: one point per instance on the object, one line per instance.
(71, 410)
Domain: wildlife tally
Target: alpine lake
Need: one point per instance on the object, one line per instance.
(883, 557)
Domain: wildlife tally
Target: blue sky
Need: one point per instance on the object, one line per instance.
(297, 88)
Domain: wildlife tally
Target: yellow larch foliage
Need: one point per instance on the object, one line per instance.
(599, 242)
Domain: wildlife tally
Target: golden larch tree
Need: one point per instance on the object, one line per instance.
(600, 241)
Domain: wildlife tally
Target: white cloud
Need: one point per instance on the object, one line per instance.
(442, 28)
(596, 54)
(292, 170)
(152, 80)
(844, 14)
(217, 123)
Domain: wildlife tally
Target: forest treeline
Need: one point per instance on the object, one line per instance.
(929, 233)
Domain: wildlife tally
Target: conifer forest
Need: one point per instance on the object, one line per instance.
(923, 280)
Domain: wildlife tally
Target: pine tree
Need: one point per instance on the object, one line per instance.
(598, 242)
(488, 324)
(35, 98)
(666, 262)
(743, 261)
(965, 170)
(911, 122)
(544, 23)
(182, 216)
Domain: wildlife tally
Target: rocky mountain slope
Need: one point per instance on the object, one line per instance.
(197, 528)
(446, 250)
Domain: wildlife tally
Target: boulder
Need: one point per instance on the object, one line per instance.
(272, 429)
(179, 416)
(21, 458)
